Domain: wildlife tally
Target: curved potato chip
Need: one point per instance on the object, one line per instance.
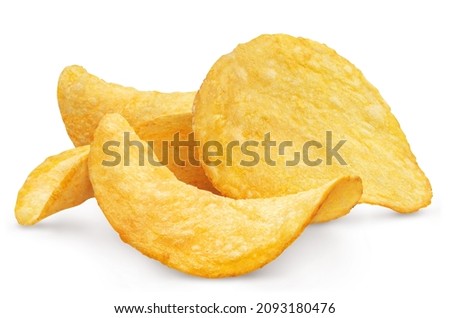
(193, 230)
(298, 91)
(84, 98)
(60, 182)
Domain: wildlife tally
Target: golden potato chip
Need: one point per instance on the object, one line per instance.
(60, 182)
(309, 116)
(84, 99)
(193, 230)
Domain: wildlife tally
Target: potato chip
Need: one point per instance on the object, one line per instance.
(84, 99)
(60, 182)
(192, 230)
(326, 119)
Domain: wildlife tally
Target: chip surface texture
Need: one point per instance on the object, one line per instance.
(300, 91)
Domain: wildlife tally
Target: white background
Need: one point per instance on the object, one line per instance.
(371, 263)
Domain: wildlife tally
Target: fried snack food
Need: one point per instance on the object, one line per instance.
(60, 182)
(192, 230)
(303, 92)
(84, 98)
